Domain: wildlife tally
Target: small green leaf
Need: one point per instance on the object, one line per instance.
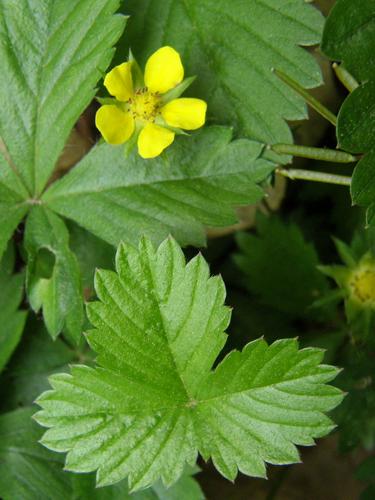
(58, 293)
(232, 47)
(153, 401)
(280, 267)
(52, 55)
(12, 321)
(198, 181)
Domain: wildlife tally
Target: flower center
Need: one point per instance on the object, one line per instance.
(362, 284)
(144, 105)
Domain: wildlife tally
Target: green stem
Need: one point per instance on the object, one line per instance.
(325, 154)
(311, 101)
(309, 175)
(349, 82)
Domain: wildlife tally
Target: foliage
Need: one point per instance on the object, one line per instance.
(348, 37)
(154, 394)
(169, 386)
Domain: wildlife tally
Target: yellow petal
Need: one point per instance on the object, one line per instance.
(115, 125)
(119, 82)
(186, 113)
(164, 70)
(153, 139)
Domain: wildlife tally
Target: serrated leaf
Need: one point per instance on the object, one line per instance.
(12, 321)
(196, 182)
(280, 267)
(53, 279)
(232, 47)
(153, 401)
(52, 55)
(29, 471)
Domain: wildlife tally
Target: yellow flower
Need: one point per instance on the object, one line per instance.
(149, 109)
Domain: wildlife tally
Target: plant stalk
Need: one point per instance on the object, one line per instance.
(310, 100)
(349, 82)
(331, 155)
(310, 175)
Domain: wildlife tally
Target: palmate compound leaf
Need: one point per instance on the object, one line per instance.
(153, 402)
(232, 47)
(197, 182)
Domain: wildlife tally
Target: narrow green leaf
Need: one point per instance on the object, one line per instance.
(153, 401)
(196, 182)
(12, 321)
(232, 47)
(53, 278)
(52, 54)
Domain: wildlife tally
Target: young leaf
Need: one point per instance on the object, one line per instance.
(12, 321)
(153, 400)
(52, 54)
(29, 471)
(53, 279)
(280, 267)
(196, 182)
(232, 47)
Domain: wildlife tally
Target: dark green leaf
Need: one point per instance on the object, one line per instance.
(232, 47)
(280, 267)
(52, 54)
(12, 320)
(198, 181)
(59, 294)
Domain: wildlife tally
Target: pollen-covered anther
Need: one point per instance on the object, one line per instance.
(144, 105)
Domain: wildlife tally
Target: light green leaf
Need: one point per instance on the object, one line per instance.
(53, 279)
(232, 48)
(11, 215)
(196, 182)
(52, 54)
(12, 321)
(280, 267)
(153, 400)
(29, 471)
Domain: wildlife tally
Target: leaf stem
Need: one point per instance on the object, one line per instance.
(309, 175)
(310, 100)
(349, 82)
(323, 154)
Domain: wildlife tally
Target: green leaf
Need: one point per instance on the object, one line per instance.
(36, 358)
(29, 471)
(196, 182)
(280, 267)
(12, 321)
(153, 400)
(232, 47)
(53, 279)
(52, 55)
(349, 36)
